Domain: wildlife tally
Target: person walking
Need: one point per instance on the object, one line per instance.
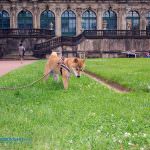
(21, 52)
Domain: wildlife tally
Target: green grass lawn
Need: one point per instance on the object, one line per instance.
(132, 73)
(86, 116)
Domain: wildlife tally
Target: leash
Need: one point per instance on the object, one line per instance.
(24, 86)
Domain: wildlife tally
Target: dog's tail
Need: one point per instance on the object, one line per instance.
(54, 54)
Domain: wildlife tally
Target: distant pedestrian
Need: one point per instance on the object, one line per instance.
(21, 52)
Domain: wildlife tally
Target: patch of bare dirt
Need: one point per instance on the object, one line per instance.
(111, 85)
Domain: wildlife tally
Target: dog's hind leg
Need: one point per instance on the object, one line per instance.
(56, 77)
(46, 72)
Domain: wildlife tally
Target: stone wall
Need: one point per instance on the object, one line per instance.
(92, 48)
(115, 45)
(108, 47)
(10, 45)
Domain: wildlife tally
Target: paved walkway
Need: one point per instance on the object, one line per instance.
(7, 66)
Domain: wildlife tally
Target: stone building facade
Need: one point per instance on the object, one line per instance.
(121, 8)
(82, 14)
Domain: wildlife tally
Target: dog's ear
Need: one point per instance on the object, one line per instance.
(75, 60)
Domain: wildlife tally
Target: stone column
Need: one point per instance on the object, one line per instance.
(79, 21)
(35, 16)
(99, 19)
(121, 22)
(143, 20)
(38, 20)
(143, 23)
(119, 19)
(13, 17)
(58, 22)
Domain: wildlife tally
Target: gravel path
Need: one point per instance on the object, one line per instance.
(7, 66)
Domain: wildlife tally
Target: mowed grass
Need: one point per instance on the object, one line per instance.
(129, 72)
(86, 116)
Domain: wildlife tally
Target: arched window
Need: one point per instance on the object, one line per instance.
(68, 23)
(133, 20)
(25, 20)
(4, 20)
(47, 20)
(148, 21)
(110, 20)
(89, 20)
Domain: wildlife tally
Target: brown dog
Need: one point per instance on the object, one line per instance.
(55, 66)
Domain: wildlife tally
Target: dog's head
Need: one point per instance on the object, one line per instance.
(78, 66)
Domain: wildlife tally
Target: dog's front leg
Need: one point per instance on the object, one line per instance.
(65, 82)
